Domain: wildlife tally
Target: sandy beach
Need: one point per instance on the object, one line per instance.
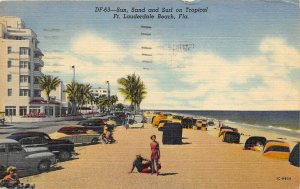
(203, 161)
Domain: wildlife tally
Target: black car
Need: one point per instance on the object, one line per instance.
(93, 124)
(63, 149)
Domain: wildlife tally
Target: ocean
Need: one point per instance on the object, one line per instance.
(283, 122)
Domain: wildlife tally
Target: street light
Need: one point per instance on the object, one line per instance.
(108, 95)
(73, 67)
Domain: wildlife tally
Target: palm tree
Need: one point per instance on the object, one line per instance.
(140, 95)
(48, 83)
(102, 102)
(71, 95)
(113, 100)
(133, 89)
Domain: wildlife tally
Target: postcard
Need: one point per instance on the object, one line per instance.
(149, 94)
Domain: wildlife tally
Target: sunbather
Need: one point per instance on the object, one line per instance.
(140, 166)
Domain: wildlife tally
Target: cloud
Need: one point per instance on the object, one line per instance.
(95, 46)
(204, 80)
(216, 75)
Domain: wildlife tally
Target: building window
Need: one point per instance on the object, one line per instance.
(34, 109)
(24, 92)
(8, 50)
(10, 111)
(9, 92)
(50, 111)
(24, 51)
(23, 110)
(24, 79)
(9, 78)
(37, 93)
(9, 63)
(104, 91)
(24, 64)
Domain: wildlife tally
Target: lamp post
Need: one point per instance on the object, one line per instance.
(108, 95)
(73, 67)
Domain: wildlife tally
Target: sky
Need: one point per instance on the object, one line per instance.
(239, 55)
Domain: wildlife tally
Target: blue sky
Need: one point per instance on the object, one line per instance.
(244, 54)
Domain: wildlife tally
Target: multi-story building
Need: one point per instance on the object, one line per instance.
(97, 92)
(20, 66)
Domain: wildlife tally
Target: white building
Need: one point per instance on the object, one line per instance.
(97, 92)
(20, 66)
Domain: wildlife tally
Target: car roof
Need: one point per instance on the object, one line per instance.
(72, 127)
(29, 133)
(8, 141)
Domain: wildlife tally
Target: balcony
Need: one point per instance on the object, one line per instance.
(38, 60)
(20, 32)
(37, 73)
(36, 86)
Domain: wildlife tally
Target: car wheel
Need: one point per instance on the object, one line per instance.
(64, 155)
(94, 141)
(44, 166)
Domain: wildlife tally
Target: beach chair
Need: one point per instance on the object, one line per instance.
(253, 140)
(276, 149)
(294, 158)
(231, 137)
(172, 133)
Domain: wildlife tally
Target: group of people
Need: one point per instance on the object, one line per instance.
(144, 165)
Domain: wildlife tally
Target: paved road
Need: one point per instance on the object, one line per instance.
(47, 127)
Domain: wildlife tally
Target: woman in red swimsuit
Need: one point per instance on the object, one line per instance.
(155, 154)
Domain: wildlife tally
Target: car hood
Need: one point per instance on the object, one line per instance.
(57, 135)
(32, 150)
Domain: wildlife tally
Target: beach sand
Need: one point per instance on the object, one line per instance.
(203, 161)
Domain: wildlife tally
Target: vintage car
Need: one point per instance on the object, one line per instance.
(25, 159)
(63, 149)
(135, 121)
(113, 120)
(76, 134)
(109, 120)
(96, 125)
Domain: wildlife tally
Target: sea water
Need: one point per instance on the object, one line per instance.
(281, 122)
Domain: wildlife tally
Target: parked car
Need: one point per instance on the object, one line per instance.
(120, 115)
(63, 149)
(76, 134)
(111, 120)
(135, 121)
(25, 158)
(96, 125)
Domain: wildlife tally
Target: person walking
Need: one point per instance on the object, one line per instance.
(155, 155)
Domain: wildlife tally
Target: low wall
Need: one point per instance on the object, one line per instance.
(16, 119)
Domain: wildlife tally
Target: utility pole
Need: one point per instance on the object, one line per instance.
(108, 95)
(73, 67)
